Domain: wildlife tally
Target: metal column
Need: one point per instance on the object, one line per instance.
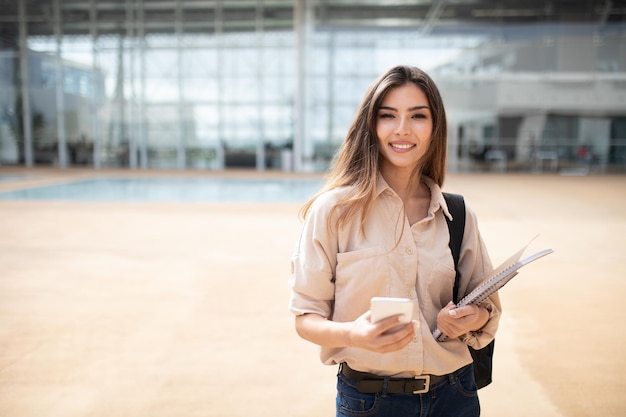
(219, 29)
(117, 132)
(95, 130)
(141, 125)
(303, 24)
(260, 152)
(181, 149)
(330, 84)
(131, 128)
(60, 97)
(26, 116)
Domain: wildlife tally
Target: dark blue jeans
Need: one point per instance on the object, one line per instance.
(455, 396)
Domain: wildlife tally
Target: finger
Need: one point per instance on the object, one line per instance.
(395, 334)
(462, 311)
(390, 322)
(398, 339)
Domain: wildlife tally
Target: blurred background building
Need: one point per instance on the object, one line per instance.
(530, 85)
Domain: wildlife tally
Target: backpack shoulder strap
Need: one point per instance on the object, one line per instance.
(483, 358)
(456, 227)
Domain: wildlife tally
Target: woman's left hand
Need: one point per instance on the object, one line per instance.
(454, 322)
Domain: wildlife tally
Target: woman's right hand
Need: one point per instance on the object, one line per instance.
(376, 336)
(361, 333)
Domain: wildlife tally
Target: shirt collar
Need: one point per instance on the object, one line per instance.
(436, 195)
(381, 185)
(436, 198)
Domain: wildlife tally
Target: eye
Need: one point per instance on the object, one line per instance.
(419, 116)
(385, 116)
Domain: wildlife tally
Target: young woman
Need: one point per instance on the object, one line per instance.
(378, 228)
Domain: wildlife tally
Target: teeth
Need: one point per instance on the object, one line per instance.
(403, 146)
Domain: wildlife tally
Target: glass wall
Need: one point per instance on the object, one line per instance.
(541, 97)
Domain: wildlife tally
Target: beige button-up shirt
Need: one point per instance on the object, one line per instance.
(335, 273)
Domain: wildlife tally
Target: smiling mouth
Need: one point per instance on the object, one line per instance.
(401, 146)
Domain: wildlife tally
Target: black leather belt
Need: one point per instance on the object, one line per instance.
(374, 384)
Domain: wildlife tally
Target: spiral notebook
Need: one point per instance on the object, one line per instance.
(498, 278)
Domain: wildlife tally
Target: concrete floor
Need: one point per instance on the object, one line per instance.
(180, 309)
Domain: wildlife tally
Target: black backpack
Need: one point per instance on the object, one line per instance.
(483, 358)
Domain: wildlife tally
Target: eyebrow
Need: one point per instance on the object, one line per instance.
(410, 109)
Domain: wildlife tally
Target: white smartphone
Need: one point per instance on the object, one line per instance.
(383, 307)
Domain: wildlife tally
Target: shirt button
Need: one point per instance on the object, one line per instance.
(411, 295)
(409, 251)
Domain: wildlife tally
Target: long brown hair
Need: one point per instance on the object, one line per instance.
(357, 162)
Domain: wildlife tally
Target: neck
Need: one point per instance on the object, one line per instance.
(405, 184)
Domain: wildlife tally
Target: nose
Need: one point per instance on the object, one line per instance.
(402, 128)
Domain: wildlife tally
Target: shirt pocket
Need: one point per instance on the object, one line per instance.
(441, 284)
(360, 275)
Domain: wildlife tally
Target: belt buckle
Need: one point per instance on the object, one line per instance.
(426, 379)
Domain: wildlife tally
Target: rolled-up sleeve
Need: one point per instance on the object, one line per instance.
(313, 264)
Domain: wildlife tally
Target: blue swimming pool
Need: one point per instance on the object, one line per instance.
(172, 189)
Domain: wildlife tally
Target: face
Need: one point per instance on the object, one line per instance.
(404, 128)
